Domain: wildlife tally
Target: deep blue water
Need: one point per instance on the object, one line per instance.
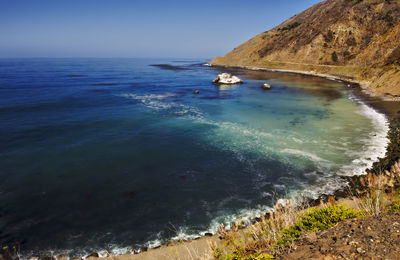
(106, 154)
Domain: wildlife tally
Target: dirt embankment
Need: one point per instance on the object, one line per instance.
(368, 238)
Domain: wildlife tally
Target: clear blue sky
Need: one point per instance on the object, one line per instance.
(136, 28)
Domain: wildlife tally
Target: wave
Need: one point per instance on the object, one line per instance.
(303, 154)
(144, 98)
(159, 102)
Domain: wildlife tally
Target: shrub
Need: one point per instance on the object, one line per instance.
(389, 18)
(240, 256)
(291, 26)
(356, 1)
(351, 41)
(317, 219)
(334, 56)
(329, 36)
(395, 207)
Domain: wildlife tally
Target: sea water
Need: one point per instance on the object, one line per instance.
(110, 154)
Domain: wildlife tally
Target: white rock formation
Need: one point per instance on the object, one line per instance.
(226, 78)
(266, 86)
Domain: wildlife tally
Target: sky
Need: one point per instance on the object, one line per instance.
(136, 28)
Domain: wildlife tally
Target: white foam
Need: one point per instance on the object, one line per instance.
(184, 234)
(154, 243)
(244, 215)
(297, 140)
(149, 96)
(116, 250)
(279, 186)
(325, 185)
(303, 154)
(374, 147)
(103, 253)
(266, 194)
(151, 101)
(160, 102)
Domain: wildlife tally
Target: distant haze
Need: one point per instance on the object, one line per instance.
(137, 28)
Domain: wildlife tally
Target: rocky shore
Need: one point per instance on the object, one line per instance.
(364, 85)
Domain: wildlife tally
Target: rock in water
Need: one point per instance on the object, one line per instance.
(266, 86)
(227, 79)
(196, 92)
(95, 255)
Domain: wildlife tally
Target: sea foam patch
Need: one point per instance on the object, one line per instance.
(374, 146)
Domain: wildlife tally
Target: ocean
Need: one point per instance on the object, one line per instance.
(110, 155)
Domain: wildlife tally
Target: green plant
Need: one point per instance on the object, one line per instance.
(238, 255)
(351, 41)
(334, 56)
(356, 1)
(329, 36)
(389, 18)
(217, 252)
(316, 219)
(395, 207)
(291, 26)
(261, 256)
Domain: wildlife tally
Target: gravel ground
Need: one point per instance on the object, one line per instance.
(366, 238)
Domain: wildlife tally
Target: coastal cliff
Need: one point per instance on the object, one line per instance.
(352, 39)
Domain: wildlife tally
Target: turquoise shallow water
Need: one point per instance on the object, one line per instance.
(106, 154)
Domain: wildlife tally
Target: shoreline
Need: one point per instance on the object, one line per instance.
(362, 84)
(201, 243)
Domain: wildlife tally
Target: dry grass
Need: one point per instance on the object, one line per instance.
(258, 239)
(380, 192)
(278, 232)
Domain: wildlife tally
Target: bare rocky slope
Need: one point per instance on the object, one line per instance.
(353, 39)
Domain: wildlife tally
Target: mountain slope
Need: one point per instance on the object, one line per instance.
(357, 39)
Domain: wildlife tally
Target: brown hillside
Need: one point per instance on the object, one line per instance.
(357, 39)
